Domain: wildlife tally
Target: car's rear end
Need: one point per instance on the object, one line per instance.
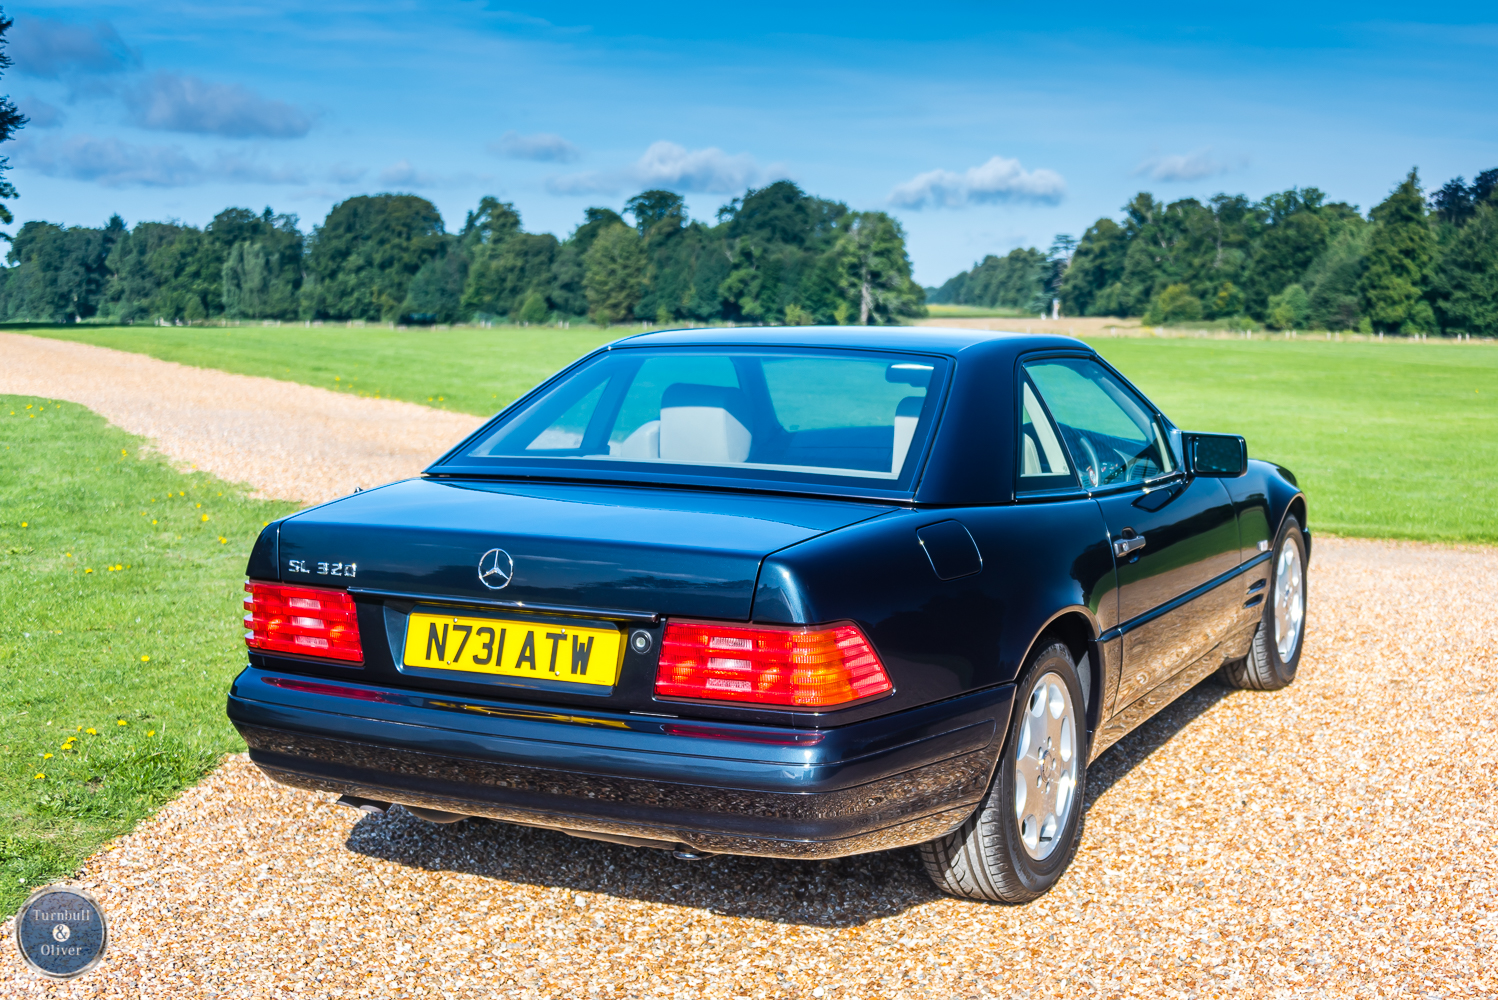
(558, 626)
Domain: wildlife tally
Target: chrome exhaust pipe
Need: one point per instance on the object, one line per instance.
(363, 805)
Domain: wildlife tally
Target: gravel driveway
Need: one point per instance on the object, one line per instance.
(1333, 839)
(288, 441)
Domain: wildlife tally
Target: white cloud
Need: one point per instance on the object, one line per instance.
(51, 49)
(403, 174)
(676, 168)
(116, 164)
(345, 173)
(1000, 179)
(543, 146)
(1191, 166)
(174, 103)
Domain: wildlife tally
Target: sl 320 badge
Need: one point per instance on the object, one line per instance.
(322, 568)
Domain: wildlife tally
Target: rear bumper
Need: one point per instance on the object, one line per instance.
(725, 789)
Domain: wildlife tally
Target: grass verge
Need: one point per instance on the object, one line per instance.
(120, 580)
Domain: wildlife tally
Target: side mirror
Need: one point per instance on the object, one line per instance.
(1216, 456)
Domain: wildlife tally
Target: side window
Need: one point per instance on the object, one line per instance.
(1042, 459)
(1112, 435)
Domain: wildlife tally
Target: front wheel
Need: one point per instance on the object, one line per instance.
(1274, 656)
(1023, 836)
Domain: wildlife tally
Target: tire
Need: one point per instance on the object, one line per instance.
(1005, 851)
(1275, 654)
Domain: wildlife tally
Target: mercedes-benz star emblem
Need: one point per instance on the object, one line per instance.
(495, 569)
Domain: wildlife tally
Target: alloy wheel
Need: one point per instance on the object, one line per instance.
(1046, 762)
(1289, 600)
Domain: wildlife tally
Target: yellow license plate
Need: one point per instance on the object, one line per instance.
(536, 651)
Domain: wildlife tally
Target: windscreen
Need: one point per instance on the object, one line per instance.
(742, 412)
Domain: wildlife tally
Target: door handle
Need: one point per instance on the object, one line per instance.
(1124, 546)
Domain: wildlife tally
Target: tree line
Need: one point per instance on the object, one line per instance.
(1292, 261)
(774, 255)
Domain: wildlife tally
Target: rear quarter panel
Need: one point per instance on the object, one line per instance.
(940, 639)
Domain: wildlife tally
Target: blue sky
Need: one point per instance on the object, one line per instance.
(981, 126)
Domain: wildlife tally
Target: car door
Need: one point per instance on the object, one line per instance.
(1172, 535)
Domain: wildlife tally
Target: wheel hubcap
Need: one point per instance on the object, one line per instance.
(1045, 766)
(1289, 600)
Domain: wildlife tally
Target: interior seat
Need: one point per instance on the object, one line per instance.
(704, 423)
(907, 415)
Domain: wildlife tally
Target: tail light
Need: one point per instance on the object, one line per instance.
(797, 667)
(331, 690)
(304, 621)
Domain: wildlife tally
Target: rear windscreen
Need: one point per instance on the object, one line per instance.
(741, 412)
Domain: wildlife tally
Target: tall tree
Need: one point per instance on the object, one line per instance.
(60, 272)
(1331, 282)
(361, 260)
(1400, 263)
(435, 294)
(503, 276)
(1453, 202)
(1097, 265)
(876, 271)
(262, 272)
(11, 121)
(1468, 274)
(568, 293)
(651, 208)
(615, 274)
(1015, 281)
(135, 278)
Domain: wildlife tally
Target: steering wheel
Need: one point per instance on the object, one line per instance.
(1092, 468)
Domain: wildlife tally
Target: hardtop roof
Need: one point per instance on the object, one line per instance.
(949, 341)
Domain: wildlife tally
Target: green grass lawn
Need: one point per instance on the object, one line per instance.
(975, 312)
(471, 369)
(1390, 440)
(1396, 439)
(120, 583)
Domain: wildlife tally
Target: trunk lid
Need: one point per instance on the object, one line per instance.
(650, 551)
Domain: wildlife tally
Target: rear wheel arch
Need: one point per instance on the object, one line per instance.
(1079, 631)
(1296, 508)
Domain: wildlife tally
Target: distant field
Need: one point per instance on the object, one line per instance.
(120, 588)
(469, 369)
(971, 312)
(1394, 440)
(1391, 440)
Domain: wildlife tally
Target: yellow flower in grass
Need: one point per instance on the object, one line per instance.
(146, 658)
(92, 731)
(120, 722)
(205, 517)
(46, 756)
(40, 776)
(150, 732)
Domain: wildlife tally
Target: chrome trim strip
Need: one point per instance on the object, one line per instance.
(1190, 595)
(520, 606)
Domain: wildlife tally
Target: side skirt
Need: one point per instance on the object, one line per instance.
(1141, 711)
